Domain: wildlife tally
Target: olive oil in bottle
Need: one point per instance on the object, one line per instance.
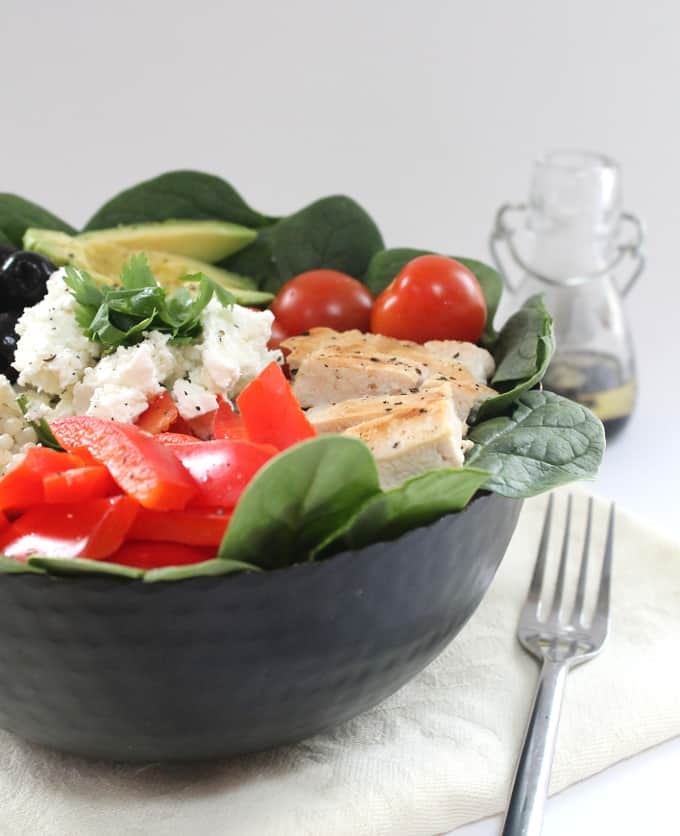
(579, 243)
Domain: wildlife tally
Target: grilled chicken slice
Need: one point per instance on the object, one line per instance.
(327, 377)
(338, 417)
(477, 360)
(414, 439)
(343, 373)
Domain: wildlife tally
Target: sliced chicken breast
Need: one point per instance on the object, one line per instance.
(476, 360)
(413, 440)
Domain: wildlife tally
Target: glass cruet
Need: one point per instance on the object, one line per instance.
(584, 255)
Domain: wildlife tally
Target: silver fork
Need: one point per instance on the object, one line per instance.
(559, 645)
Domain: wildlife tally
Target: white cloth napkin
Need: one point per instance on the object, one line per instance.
(438, 754)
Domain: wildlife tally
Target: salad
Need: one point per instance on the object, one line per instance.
(191, 387)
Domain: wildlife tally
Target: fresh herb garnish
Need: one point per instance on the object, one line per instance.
(115, 316)
(41, 427)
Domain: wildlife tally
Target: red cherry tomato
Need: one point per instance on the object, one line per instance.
(432, 298)
(322, 297)
(278, 335)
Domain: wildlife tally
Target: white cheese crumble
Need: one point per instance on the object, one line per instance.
(52, 352)
(62, 373)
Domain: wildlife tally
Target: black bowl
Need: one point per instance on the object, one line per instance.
(211, 667)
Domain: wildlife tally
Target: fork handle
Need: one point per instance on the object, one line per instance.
(532, 775)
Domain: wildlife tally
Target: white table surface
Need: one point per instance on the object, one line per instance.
(638, 797)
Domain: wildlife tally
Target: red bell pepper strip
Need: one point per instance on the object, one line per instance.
(160, 415)
(94, 529)
(271, 412)
(154, 555)
(79, 485)
(143, 468)
(193, 527)
(222, 469)
(228, 423)
(23, 486)
(169, 439)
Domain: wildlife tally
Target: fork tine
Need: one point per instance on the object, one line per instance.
(577, 614)
(534, 594)
(562, 571)
(602, 606)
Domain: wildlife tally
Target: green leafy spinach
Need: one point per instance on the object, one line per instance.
(18, 214)
(298, 500)
(546, 441)
(418, 502)
(176, 195)
(522, 352)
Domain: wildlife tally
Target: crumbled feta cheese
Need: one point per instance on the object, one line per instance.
(193, 399)
(233, 348)
(52, 352)
(121, 385)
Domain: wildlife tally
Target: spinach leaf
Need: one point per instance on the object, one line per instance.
(547, 441)
(385, 265)
(419, 501)
(11, 566)
(333, 233)
(18, 214)
(256, 261)
(81, 566)
(522, 351)
(176, 195)
(217, 566)
(298, 499)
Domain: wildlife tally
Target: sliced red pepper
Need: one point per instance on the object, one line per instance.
(193, 527)
(154, 555)
(202, 425)
(228, 423)
(4, 522)
(177, 438)
(79, 485)
(271, 412)
(160, 415)
(23, 486)
(94, 529)
(143, 468)
(222, 469)
(180, 425)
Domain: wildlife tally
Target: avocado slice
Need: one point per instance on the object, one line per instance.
(209, 241)
(103, 260)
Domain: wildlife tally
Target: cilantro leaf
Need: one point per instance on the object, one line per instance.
(114, 316)
(41, 427)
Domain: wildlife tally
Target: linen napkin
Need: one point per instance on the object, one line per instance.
(437, 754)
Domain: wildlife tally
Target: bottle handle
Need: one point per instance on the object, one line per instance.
(503, 233)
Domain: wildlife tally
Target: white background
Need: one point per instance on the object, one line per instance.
(428, 113)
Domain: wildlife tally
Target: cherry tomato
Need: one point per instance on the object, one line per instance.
(278, 335)
(432, 298)
(322, 297)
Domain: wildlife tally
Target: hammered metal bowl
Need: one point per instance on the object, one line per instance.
(211, 667)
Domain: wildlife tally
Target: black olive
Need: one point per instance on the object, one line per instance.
(23, 277)
(5, 251)
(8, 343)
